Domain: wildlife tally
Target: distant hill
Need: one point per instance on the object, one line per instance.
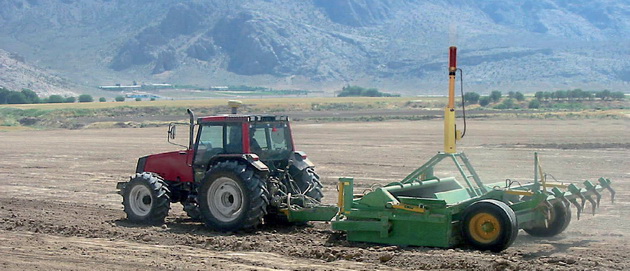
(15, 74)
(393, 45)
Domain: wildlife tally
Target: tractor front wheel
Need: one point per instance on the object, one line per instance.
(489, 225)
(232, 197)
(146, 199)
(560, 217)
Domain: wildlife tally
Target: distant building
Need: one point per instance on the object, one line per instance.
(141, 95)
(118, 87)
(143, 86)
(219, 87)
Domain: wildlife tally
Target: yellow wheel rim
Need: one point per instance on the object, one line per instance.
(484, 227)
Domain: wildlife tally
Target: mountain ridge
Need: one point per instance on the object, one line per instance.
(392, 45)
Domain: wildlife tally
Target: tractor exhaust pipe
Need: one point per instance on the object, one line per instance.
(192, 128)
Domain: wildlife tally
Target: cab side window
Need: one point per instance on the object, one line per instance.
(210, 143)
(234, 138)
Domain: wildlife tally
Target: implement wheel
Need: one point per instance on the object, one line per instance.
(489, 225)
(558, 222)
(146, 199)
(232, 197)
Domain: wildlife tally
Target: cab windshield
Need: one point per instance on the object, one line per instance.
(270, 140)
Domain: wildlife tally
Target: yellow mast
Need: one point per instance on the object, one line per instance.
(450, 132)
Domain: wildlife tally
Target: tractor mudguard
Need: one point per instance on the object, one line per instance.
(300, 161)
(142, 161)
(250, 158)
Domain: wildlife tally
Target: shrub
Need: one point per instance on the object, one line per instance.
(26, 96)
(31, 96)
(3, 95)
(484, 101)
(519, 96)
(533, 104)
(561, 94)
(138, 99)
(120, 98)
(357, 91)
(617, 95)
(85, 98)
(17, 98)
(471, 97)
(495, 96)
(70, 99)
(102, 99)
(506, 104)
(603, 95)
(55, 99)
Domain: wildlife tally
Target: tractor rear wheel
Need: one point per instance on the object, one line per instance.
(232, 197)
(489, 225)
(146, 199)
(559, 221)
(309, 184)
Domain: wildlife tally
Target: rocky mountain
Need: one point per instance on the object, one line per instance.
(16, 74)
(394, 45)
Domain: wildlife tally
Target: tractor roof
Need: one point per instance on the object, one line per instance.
(241, 118)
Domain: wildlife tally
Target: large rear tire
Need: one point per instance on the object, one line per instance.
(232, 197)
(309, 184)
(559, 221)
(489, 225)
(146, 199)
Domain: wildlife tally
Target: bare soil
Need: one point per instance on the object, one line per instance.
(59, 209)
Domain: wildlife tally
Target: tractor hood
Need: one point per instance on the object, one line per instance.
(172, 166)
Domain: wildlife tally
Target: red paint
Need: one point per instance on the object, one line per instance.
(224, 118)
(452, 63)
(172, 166)
(291, 133)
(246, 147)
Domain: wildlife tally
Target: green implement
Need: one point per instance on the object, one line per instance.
(424, 210)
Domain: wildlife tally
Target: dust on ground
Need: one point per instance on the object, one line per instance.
(59, 208)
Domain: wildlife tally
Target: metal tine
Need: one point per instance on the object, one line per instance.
(606, 184)
(578, 193)
(588, 197)
(560, 194)
(591, 188)
(577, 206)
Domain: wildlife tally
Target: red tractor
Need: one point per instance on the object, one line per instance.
(237, 172)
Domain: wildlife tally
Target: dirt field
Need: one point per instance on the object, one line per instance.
(59, 209)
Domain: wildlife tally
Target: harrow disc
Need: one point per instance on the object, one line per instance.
(560, 217)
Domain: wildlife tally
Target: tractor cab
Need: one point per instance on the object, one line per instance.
(262, 138)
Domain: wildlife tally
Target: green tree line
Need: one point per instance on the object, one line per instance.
(578, 95)
(27, 96)
(513, 99)
(357, 91)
